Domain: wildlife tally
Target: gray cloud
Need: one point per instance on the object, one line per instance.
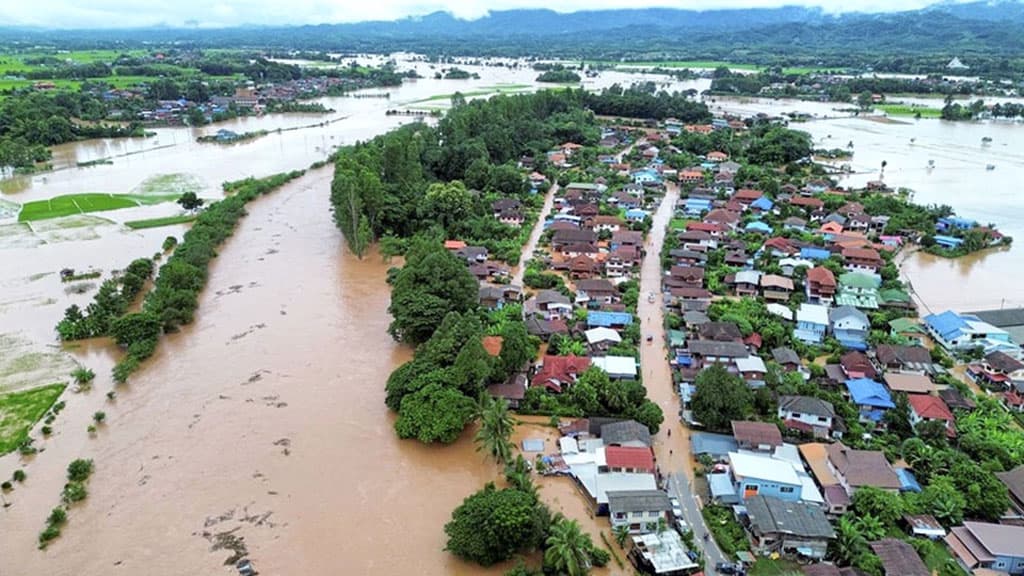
(219, 13)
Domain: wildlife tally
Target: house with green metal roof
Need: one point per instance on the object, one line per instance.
(858, 290)
(907, 329)
(895, 298)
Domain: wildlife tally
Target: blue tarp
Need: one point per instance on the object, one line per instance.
(608, 319)
(867, 392)
(815, 253)
(908, 483)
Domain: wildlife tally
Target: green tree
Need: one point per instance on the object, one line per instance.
(496, 427)
(189, 201)
(434, 414)
(621, 533)
(432, 283)
(568, 548)
(865, 100)
(943, 500)
(492, 525)
(985, 495)
(720, 398)
(849, 542)
(885, 506)
(447, 204)
(79, 470)
(870, 527)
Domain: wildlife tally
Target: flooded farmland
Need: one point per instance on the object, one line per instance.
(264, 420)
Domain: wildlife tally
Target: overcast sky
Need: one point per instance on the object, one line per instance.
(215, 13)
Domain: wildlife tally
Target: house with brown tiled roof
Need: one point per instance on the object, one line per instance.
(862, 260)
(821, 285)
(558, 372)
(857, 468)
(746, 196)
(762, 436)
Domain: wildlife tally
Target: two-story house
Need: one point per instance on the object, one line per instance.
(854, 469)
(928, 408)
(871, 398)
(862, 260)
(794, 529)
(761, 475)
(994, 546)
(639, 510)
(807, 414)
(820, 285)
(858, 290)
(850, 326)
(811, 323)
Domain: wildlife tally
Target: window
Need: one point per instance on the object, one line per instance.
(796, 414)
(822, 419)
(654, 514)
(786, 489)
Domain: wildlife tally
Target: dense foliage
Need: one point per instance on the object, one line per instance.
(720, 398)
(111, 301)
(492, 525)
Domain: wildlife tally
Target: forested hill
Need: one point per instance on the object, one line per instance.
(975, 31)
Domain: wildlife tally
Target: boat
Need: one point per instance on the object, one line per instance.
(912, 140)
(986, 140)
(931, 164)
(990, 167)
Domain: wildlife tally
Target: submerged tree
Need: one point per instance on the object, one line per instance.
(496, 426)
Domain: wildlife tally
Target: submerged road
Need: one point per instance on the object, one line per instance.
(538, 230)
(672, 445)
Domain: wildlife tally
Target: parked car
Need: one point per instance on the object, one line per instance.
(693, 555)
(681, 526)
(245, 568)
(677, 509)
(726, 568)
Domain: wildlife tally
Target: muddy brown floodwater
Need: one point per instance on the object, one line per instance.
(264, 420)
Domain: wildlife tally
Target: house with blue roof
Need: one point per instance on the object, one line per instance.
(697, 206)
(949, 242)
(763, 204)
(646, 177)
(954, 223)
(602, 319)
(872, 399)
(758, 227)
(636, 215)
(811, 253)
(908, 482)
(960, 331)
(850, 326)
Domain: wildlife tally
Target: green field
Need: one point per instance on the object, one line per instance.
(19, 411)
(905, 110)
(158, 222)
(71, 204)
(488, 90)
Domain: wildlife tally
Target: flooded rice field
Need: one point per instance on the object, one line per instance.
(264, 420)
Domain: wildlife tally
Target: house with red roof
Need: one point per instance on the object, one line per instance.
(717, 156)
(709, 227)
(559, 372)
(821, 285)
(831, 228)
(928, 408)
(747, 195)
(629, 459)
(805, 202)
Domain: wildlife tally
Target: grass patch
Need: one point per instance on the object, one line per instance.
(937, 558)
(711, 64)
(727, 531)
(71, 204)
(19, 411)
(177, 184)
(905, 110)
(678, 224)
(490, 90)
(768, 567)
(158, 222)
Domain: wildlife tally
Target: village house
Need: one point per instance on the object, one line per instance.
(807, 414)
(596, 291)
(747, 196)
(639, 510)
(811, 323)
(605, 319)
(754, 474)
(756, 436)
(621, 261)
(960, 331)
(744, 282)
(871, 398)
(600, 339)
(617, 367)
(856, 364)
(684, 277)
(995, 547)
(998, 371)
(565, 238)
(821, 286)
(927, 408)
(858, 290)
(850, 326)
(700, 354)
(916, 359)
(909, 383)
(550, 304)
(787, 358)
(625, 433)
(862, 260)
(778, 526)
(752, 369)
(899, 558)
(720, 332)
(858, 468)
(557, 373)
(776, 288)
(627, 460)
(1014, 482)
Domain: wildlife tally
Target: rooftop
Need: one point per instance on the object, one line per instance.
(638, 500)
(625, 431)
(756, 433)
(863, 467)
(807, 405)
(867, 392)
(763, 467)
(629, 457)
(909, 383)
(664, 551)
(771, 515)
(899, 558)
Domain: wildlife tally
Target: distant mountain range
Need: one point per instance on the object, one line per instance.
(977, 29)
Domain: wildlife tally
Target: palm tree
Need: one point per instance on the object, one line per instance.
(496, 425)
(870, 527)
(568, 548)
(517, 474)
(621, 532)
(849, 542)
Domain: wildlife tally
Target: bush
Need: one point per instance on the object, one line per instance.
(57, 517)
(74, 492)
(99, 417)
(79, 470)
(6, 486)
(19, 475)
(46, 430)
(169, 243)
(83, 375)
(49, 533)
